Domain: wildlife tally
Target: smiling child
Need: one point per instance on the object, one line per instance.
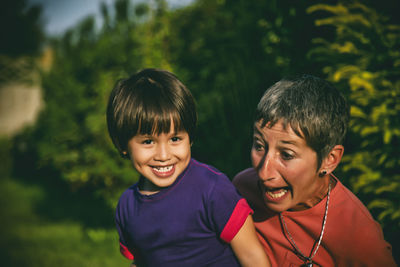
(181, 212)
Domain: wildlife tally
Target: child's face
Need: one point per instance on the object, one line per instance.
(160, 158)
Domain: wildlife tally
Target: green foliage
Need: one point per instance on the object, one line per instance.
(31, 239)
(6, 160)
(20, 28)
(71, 135)
(22, 39)
(228, 53)
(219, 50)
(363, 61)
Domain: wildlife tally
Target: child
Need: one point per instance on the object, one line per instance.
(181, 212)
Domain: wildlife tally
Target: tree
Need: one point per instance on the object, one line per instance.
(22, 35)
(71, 137)
(228, 53)
(21, 28)
(363, 61)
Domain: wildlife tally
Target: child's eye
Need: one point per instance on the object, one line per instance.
(175, 139)
(147, 142)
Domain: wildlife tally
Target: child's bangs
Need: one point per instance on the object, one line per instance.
(156, 124)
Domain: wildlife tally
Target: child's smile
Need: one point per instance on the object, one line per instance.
(164, 171)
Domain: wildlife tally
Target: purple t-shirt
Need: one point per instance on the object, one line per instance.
(186, 224)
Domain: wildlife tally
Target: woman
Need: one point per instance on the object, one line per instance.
(303, 213)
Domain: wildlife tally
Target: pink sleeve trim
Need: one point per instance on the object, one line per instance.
(125, 251)
(236, 221)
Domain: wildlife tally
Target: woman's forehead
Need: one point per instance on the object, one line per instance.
(280, 125)
(281, 133)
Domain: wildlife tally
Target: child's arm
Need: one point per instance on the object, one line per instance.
(248, 248)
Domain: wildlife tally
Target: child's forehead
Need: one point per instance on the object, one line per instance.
(158, 134)
(158, 127)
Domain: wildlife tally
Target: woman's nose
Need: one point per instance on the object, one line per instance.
(266, 168)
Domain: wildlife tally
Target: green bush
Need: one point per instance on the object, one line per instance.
(71, 136)
(227, 53)
(363, 60)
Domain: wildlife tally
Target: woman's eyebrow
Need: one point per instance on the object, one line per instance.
(289, 142)
(256, 131)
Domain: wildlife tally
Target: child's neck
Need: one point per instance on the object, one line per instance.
(148, 188)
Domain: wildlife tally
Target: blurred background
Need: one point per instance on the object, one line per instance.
(60, 176)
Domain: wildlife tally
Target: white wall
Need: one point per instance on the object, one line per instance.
(19, 106)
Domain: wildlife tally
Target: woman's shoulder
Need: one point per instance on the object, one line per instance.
(246, 179)
(246, 182)
(348, 201)
(348, 210)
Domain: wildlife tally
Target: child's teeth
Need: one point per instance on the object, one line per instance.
(276, 195)
(163, 169)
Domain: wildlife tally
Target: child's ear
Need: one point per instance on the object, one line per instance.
(332, 160)
(124, 155)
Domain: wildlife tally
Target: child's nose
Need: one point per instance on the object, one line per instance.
(162, 153)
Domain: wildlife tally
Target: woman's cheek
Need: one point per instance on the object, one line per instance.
(255, 158)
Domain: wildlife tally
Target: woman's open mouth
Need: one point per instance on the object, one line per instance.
(275, 194)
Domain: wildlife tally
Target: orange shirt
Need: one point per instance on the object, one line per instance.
(351, 238)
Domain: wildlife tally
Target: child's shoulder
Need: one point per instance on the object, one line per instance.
(128, 194)
(213, 184)
(207, 173)
(206, 167)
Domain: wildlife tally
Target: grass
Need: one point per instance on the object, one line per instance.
(40, 226)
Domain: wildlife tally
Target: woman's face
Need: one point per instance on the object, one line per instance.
(287, 168)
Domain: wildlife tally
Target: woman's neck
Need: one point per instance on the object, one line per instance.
(321, 192)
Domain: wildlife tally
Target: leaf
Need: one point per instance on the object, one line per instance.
(369, 130)
(357, 83)
(357, 112)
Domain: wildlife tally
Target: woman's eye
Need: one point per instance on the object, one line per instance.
(257, 146)
(286, 156)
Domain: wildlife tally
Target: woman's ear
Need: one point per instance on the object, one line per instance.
(332, 160)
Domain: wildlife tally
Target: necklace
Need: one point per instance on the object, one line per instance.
(308, 260)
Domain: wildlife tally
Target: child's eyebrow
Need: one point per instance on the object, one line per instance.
(179, 132)
(144, 135)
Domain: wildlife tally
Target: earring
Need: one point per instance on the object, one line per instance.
(322, 174)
